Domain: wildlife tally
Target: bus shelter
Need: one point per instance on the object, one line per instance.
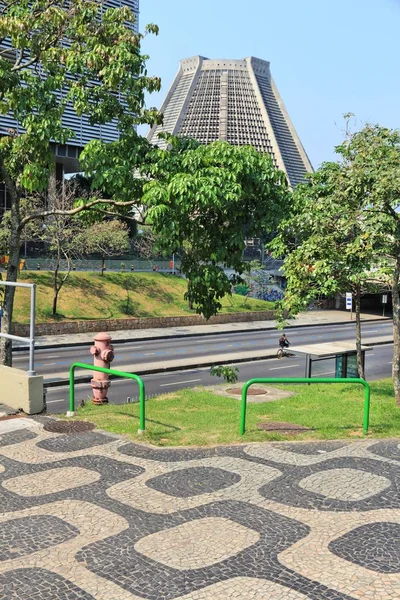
(344, 353)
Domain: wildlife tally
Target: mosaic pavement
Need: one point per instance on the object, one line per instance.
(94, 517)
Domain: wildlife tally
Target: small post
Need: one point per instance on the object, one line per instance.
(31, 370)
(367, 399)
(244, 407)
(142, 407)
(71, 412)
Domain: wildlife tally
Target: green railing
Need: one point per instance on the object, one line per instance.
(78, 365)
(246, 386)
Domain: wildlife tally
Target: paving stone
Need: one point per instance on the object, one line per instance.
(16, 437)
(85, 518)
(19, 537)
(375, 546)
(192, 482)
(73, 443)
(38, 584)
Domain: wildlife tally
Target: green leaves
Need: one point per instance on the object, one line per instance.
(72, 52)
(202, 202)
(344, 224)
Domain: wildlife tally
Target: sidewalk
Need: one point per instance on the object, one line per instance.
(307, 319)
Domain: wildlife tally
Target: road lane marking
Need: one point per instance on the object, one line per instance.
(150, 354)
(55, 401)
(326, 373)
(47, 364)
(179, 382)
(288, 367)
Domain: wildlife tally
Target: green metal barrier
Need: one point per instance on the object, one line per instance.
(78, 365)
(367, 393)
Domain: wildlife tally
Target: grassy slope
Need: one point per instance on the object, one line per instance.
(90, 296)
(198, 417)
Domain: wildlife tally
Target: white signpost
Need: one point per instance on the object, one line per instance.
(349, 303)
(384, 302)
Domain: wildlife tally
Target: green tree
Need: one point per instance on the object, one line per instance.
(333, 239)
(61, 54)
(109, 238)
(200, 200)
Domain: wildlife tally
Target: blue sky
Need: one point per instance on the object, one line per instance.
(328, 57)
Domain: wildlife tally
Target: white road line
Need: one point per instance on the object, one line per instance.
(288, 367)
(370, 330)
(326, 373)
(48, 364)
(55, 401)
(53, 356)
(150, 354)
(179, 382)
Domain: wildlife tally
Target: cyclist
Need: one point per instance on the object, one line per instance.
(284, 342)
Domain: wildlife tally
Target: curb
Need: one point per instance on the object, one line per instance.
(189, 335)
(172, 369)
(156, 370)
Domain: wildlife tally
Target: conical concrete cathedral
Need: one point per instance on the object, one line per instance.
(236, 101)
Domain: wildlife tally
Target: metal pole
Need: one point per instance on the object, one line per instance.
(367, 394)
(367, 399)
(142, 409)
(139, 380)
(244, 407)
(32, 332)
(72, 390)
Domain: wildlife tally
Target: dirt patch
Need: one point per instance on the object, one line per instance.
(282, 427)
(259, 394)
(252, 391)
(16, 416)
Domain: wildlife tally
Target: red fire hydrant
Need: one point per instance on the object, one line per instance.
(103, 355)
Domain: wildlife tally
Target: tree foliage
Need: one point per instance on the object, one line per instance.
(342, 233)
(66, 54)
(109, 238)
(200, 201)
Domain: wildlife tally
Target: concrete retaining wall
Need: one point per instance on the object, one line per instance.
(141, 323)
(21, 391)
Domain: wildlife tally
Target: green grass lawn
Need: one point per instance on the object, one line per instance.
(201, 418)
(87, 296)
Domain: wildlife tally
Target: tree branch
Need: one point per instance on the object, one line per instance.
(74, 211)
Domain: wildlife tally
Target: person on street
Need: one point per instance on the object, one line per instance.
(284, 342)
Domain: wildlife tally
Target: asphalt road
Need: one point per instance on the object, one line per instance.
(378, 365)
(53, 364)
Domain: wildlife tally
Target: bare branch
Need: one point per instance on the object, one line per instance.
(74, 211)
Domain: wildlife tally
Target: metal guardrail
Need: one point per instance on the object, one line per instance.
(367, 393)
(139, 380)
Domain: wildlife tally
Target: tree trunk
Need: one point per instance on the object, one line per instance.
(360, 365)
(396, 332)
(12, 274)
(56, 288)
(190, 301)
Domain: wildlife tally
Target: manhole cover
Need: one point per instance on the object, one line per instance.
(282, 427)
(68, 427)
(251, 392)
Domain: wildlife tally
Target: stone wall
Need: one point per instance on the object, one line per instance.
(140, 323)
